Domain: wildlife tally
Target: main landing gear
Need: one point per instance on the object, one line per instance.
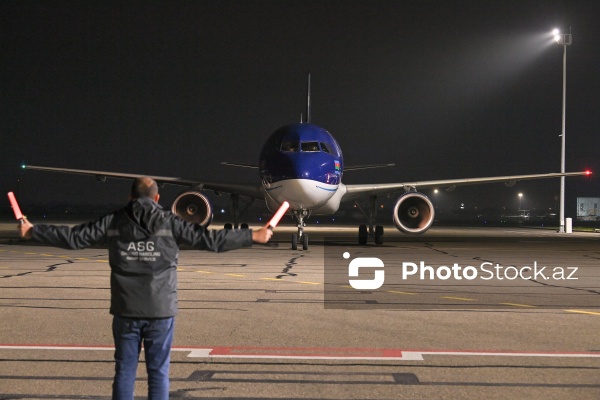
(300, 237)
(237, 213)
(364, 231)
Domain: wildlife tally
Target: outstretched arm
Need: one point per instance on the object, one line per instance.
(77, 237)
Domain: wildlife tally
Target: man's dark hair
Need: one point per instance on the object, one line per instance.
(144, 187)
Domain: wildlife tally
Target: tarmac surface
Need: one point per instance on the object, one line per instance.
(270, 323)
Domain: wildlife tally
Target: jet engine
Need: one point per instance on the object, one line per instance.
(413, 213)
(193, 207)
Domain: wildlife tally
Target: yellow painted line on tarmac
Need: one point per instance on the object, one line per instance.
(399, 292)
(204, 272)
(238, 275)
(30, 253)
(583, 312)
(457, 298)
(48, 255)
(518, 305)
(271, 279)
(310, 283)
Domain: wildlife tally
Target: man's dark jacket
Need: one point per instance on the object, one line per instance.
(143, 243)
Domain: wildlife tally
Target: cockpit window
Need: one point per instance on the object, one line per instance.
(289, 146)
(325, 147)
(309, 146)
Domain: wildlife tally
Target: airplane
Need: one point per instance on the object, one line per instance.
(302, 164)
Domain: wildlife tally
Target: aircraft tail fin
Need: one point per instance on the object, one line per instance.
(308, 100)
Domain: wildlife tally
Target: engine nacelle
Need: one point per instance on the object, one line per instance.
(193, 207)
(413, 213)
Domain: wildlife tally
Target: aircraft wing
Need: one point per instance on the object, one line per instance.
(241, 189)
(346, 168)
(355, 191)
(371, 166)
(229, 164)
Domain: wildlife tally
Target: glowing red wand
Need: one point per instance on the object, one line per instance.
(15, 206)
(275, 220)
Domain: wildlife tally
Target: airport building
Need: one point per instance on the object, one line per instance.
(587, 209)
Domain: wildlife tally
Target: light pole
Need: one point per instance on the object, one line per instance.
(565, 40)
(520, 198)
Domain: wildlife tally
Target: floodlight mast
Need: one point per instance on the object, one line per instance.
(565, 40)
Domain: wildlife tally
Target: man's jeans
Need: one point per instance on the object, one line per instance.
(157, 336)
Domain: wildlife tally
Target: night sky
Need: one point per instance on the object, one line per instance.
(445, 89)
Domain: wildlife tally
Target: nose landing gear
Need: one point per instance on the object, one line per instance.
(300, 237)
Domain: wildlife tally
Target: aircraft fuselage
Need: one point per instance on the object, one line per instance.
(303, 165)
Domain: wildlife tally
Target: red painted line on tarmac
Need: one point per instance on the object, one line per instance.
(336, 353)
(23, 346)
(507, 352)
(386, 352)
(305, 351)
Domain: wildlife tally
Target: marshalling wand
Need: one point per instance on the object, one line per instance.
(15, 207)
(275, 220)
